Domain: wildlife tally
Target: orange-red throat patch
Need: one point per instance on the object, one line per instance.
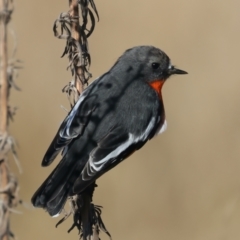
(157, 86)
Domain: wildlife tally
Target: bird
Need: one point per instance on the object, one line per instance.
(114, 117)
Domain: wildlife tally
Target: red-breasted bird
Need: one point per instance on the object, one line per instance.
(113, 117)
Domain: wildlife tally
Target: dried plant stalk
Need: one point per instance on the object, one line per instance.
(3, 68)
(4, 198)
(86, 216)
(74, 14)
(8, 183)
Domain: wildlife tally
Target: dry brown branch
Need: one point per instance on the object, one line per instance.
(4, 198)
(74, 14)
(86, 215)
(3, 72)
(78, 83)
(8, 183)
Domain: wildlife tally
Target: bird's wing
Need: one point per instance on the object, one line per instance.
(111, 150)
(72, 126)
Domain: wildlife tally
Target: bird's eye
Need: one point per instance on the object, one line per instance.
(155, 65)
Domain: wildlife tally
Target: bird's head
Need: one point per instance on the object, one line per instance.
(149, 64)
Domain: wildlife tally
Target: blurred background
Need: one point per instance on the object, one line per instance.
(184, 184)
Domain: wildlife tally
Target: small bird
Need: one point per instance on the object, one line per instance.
(113, 117)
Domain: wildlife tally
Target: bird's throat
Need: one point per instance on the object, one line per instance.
(157, 86)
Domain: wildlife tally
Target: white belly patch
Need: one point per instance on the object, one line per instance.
(163, 128)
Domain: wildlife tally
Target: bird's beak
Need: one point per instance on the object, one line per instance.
(176, 71)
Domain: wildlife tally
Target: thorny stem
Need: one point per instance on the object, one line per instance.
(4, 198)
(8, 183)
(74, 13)
(86, 215)
(3, 70)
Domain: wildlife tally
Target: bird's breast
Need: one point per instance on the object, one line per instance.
(157, 86)
(161, 124)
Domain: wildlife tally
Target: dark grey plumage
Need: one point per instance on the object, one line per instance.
(113, 117)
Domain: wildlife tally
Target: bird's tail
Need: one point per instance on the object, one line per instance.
(54, 191)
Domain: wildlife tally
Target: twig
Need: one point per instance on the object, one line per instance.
(3, 68)
(8, 183)
(86, 216)
(4, 198)
(74, 14)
